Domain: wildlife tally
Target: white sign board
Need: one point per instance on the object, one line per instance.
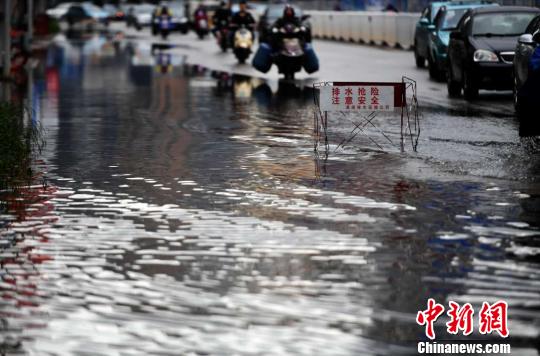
(357, 98)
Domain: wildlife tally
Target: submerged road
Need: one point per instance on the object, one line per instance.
(186, 214)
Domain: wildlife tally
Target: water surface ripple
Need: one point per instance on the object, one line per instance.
(185, 214)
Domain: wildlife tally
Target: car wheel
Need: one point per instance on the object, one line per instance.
(470, 89)
(454, 87)
(434, 72)
(420, 61)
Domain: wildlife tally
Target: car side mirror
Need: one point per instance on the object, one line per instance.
(526, 38)
(305, 17)
(423, 21)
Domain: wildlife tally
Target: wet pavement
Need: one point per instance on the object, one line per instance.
(186, 213)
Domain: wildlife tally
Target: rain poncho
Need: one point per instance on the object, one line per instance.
(534, 62)
(529, 97)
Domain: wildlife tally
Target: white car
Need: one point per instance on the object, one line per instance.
(142, 15)
(59, 11)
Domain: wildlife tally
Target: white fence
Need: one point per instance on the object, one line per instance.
(379, 28)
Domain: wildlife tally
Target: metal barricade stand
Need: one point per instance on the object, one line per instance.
(363, 101)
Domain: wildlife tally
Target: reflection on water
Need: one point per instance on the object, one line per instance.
(186, 213)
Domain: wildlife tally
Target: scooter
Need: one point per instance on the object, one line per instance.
(243, 40)
(222, 36)
(201, 24)
(164, 25)
(289, 57)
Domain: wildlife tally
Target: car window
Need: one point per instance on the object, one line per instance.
(502, 24)
(450, 18)
(76, 11)
(177, 10)
(533, 25)
(462, 25)
(91, 8)
(144, 9)
(438, 18)
(433, 12)
(425, 13)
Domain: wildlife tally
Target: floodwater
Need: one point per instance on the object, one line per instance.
(184, 212)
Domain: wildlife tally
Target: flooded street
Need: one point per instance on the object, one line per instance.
(181, 210)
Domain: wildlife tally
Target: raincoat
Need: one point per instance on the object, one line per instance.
(529, 97)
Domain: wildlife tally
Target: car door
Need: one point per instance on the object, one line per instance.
(523, 54)
(454, 53)
(434, 31)
(459, 54)
(422, 32)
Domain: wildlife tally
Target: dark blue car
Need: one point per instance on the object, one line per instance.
(423, 27)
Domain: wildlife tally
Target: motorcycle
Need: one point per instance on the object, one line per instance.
(164, 25)
(243, 40)
(201, 24)
(222, 36)
(290, 56)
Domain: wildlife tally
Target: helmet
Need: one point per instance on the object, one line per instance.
(536, 36)
(288, 11)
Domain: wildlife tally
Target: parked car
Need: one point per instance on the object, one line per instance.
(481, 50)
(179, 21)
(271, 14)
(58, 12)
(140, 16)
(96, 12)
(423, 27)
(86, 15)
(114, 13)
(524, 49)
(446, 21)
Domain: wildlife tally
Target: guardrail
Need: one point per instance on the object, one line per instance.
(380, 28)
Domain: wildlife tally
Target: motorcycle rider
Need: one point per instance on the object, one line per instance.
(160, 10)
(289, 18)
(529, 93)
(534, 62)
(222, 16)
(222, 19)
(274, 49)
(200, 11)
(241, 18)
(199, 8)
(200, 20)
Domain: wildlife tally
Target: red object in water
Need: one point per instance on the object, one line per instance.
(38, 259)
